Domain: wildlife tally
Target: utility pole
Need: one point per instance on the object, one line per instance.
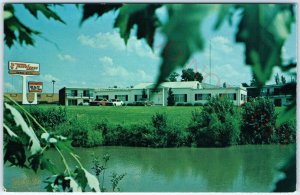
(210, 61)
(53, 81)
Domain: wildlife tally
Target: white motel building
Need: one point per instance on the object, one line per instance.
(184, 92)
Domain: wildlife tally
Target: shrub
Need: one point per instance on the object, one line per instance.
(286, 132)
(188, 104)
(218, 124)
(179, 104)
(49, 118)
(259, 119)
(84, 135)
(198, 104)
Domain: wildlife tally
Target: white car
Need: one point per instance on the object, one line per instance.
(117, 102)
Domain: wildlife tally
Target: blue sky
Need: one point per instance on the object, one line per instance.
(94, 55)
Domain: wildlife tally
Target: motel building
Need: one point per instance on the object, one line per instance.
(184, 92)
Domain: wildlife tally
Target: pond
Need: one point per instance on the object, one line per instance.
(248, 168)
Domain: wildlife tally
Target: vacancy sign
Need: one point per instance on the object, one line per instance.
(35, 86)
(23, 68)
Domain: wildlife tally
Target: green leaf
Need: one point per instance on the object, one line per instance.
(15, 153)
(74, 185)
(9, 131)
(142, 15)
(35, 143)
(183, 34)
(90, 9)
(263, 29)
(92, 181)
(223, 12)
(33, 8)
(80, 178)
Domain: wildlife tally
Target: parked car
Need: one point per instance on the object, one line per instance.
(117, 102)
(101, 102)
(95, 103)
(85, 103)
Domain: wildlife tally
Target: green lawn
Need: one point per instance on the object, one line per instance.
(179, 115)
(131, 115)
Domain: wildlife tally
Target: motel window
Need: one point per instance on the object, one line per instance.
(122, 97)
(180, 97)
(101, 97)
(202, 96)
(138, 98)
(243, 97)
(231, 96)
(86, 93)
(73, 92)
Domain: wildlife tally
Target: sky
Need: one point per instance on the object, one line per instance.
(93, 54)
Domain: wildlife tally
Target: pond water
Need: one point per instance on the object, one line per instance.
(249, 168)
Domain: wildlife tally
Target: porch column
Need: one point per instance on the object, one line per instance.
(163, 96)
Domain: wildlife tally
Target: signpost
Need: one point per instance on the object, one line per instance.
(35, 86)
(25, 69)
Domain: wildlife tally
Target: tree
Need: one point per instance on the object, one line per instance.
(173, 77)
(198, 77)
(277, 79)
(188, 75)
(171, 99)
(253, 82)
(283, 80)
(245, 85)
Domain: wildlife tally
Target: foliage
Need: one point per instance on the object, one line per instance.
(100, 169)
(259, 119)
(218, 124)
(141, 15)
(188, 74)
(23, 148)
(156, 134)
(286, 132)
(171, 98)
(84, 135)
(198, 104)
(16, 31)
(277, 79)
(89, 10)
(283, 80)
(49, 118)
(198, 77)
(269, 25)
(173, 77)
(245, 85)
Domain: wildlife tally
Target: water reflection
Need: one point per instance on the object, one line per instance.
(239, 168)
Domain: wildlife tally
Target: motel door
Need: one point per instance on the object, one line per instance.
(156, 97)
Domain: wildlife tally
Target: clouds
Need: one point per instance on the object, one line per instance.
(48, 78)
(66, 57)
(112, 40)
(120, 74)
(222, 44)
(8, 87)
